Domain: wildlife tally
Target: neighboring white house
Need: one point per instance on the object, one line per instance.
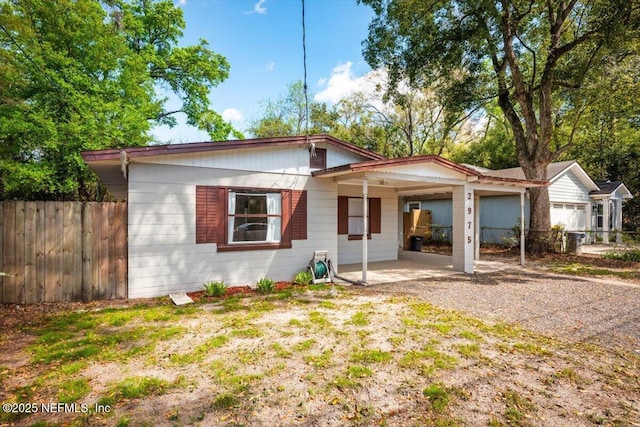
(576, 202)
(237, 211)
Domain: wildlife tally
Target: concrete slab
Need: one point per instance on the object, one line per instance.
(414, 266)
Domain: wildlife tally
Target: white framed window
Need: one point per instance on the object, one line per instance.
(558, 206)
(356, 216)
(254, 216)
(413, 206)
(570, 207)
(581, 207)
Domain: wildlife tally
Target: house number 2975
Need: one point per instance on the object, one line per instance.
(469, 212)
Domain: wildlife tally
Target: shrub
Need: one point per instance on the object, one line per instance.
(214, 289)
(632, 255)
(265, 286)
(303, 278)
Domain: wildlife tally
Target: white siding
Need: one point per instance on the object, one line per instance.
(290, 160)
(568, 188)
(381, 247)
(287, 159)
(163, 256)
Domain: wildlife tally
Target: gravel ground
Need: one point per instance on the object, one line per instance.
(606, 312)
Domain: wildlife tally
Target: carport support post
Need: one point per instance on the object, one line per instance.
(463, 228)
(365, 232)
(476, 249)
(618, 224)
(605, 221)
(522, 248)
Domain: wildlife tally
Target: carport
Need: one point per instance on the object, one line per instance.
(432, 175)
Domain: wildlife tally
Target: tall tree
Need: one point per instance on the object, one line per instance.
(525, 53)
(413, 121)
(81, 74)
(493, 148)
(605, 129)
(287, 115)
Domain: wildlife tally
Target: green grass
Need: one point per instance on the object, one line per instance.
(247, 333)
(228, 376)
(73, 390)
(427, 360)
(139, 387)
(350, 378)
(517, 407)
(586, 270)
(304, 345)
(360, 319)
(225, 401)
(438, 397)
(319, 361)
(370, 356)
(200, 351)
(468, 350)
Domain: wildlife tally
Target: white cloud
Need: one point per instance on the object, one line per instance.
(271, 66)
(181, 3)
(232, 115)
(257, 8)
(343, 83)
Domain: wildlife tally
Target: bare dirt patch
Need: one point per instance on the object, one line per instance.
(355, 356)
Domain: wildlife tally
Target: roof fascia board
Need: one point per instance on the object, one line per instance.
(202, 147)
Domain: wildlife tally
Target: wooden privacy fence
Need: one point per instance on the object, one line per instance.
(62, 251)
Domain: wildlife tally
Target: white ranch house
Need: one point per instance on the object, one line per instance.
(577, 202)
(236, 211)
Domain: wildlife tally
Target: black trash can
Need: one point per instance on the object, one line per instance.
(416, 243)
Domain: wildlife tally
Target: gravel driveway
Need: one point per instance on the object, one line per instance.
(606, 312)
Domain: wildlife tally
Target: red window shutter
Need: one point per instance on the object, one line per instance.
(343, 215)
(375, 215)
(286, 217)
(206, 214)
(221, 215)
(299, 215)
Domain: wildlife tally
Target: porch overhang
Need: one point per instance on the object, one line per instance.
(431, 175)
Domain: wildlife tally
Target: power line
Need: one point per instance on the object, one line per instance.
(312, 148)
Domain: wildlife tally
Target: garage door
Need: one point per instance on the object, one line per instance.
(572, 215)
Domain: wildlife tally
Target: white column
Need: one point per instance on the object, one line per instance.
(463, 228)
(476, 207)
(365, 234)
(605, 221)
(522, 224)
(590, 236)
(618, 223)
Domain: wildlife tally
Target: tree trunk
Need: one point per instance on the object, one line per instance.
(539, 236)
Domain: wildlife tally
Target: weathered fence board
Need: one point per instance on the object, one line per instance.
(62, 251)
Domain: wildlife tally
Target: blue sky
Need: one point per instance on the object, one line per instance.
(262, 40)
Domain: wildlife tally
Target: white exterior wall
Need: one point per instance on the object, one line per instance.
(163, 255)
(285, 159)
(568, 188)
(381, 247)
(569, 202)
